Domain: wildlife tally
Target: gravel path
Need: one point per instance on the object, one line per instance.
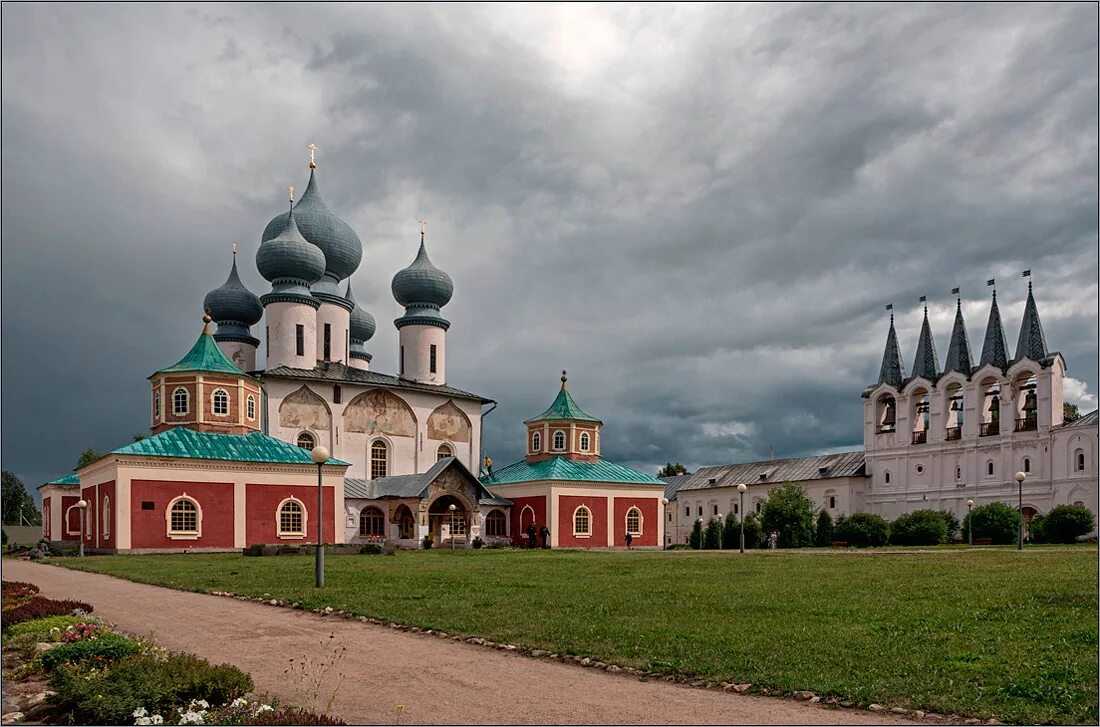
(436, 680)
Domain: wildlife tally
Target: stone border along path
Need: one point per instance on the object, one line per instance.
(394, 673)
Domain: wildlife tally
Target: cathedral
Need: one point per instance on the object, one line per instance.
(229, 461)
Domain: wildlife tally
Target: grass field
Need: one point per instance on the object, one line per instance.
(985, 633)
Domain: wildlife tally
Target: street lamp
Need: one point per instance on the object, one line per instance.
(741, 489)
(664, 504)
(320, 455)
(970, 521)
(82, 504)
(721, 530)
(451, 507)
(1020, 477)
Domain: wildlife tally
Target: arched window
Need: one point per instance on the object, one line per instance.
(250, 406)
(181, 401)
(443, 452)
(989, 468)
(106, 517)
(559, 440)
(292, 519)
(306, 440)
(958, 473)
(634, 521)
(1027, 464)
(582, 521)
(887, 476)
(536, 442)
(585, 439)
(156, 405)
(379, 459)
(221, 402)
(184, 518)
(495, 524)
(372, 524)
(1080, 461)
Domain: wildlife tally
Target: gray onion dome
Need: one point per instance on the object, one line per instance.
(422, 283)
(362, 323)
(233, 302)
(288, 255)
(339, 244)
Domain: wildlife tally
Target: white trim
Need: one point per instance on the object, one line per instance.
(554, 441)
(453, 449)
(577, 533)
(641, 521)
(311, 434)
(585, 441)
(359, 521)
(536, 442)
(370, 456)
(290, 534)
(186, 401)
(65, 522)
(183, 534)
(250, 405)
(214, 405)
(156, 406)
(106, 506)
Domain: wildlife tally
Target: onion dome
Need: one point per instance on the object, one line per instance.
(233, 307)
(340, 246)
(290, 263)
(423, 289)
(362, 323)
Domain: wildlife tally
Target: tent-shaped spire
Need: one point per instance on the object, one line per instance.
(204, 356)
(926, 364)
(892, 371)
(1032, 343)
(995, 347)
(958, 352)
(564, 408)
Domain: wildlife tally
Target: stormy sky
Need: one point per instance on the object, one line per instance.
(699, 211)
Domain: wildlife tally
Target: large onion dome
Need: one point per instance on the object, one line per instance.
(233, 302)
(362, 325)
(423, 289)
(289, 262)
(339, 244)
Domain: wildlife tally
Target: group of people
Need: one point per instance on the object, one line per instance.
(533, 535)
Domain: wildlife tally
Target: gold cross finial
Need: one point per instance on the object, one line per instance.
(234, 248)
(564, 379)
(423, 225)
(290, 194)
(312, 155)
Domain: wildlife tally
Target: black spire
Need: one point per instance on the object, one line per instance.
(892, 371)
(1032, 343)
(926, 364)
(995, 347)
(958, 352)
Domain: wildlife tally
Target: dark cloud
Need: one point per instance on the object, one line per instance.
(700, 211)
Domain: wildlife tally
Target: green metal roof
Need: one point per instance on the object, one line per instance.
(204, 356)
(66, 480)
(561, 469)
(189, 444)
(564, 408)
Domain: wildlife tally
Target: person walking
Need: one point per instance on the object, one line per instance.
(629, 541)
(531, 533)
(544, 533)
(772, 540)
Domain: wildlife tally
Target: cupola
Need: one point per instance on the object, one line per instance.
(422, 289)
(361, 330)
(563, 430)
(289, 262)
(235, 309)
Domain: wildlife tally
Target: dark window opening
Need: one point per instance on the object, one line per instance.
(401, 363)
(1027, 464)
(1080, 462)
(328, 342)
(300, 339)
(431, 359)
(989, 469)
(832, 501)
(336, 393)
(148, 505)
(887, 478)
(267, 341)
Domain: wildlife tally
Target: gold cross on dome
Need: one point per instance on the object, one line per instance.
(312, 155)
(290, 193)
(234, 248)
(423, 225)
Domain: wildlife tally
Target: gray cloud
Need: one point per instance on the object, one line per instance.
(698, 210)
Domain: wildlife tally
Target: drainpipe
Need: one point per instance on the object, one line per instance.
(483, 415)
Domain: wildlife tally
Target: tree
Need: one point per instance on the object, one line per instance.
(17, 500)
(951, 520)
(696, 539)
(996, 521)
(823, 534)
(712, 536)
(862, 529)
(139, 437)
(1070, 412)
(1063, 524)
(752, 530)
(731, 533)
(919, 527)
(671, 470)
(789, 512)
(88, 456)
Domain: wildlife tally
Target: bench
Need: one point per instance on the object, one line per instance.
(983, 541)
(839, 544)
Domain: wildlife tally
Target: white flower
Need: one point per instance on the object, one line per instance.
(157, 719)
(143, 720)
(264, 708)
(191, 717)
(239, 702)
(140, 712)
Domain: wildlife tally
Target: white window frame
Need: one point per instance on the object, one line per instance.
(290, 534)
(641, 521)
(554, 440)
(106, 516)
(370, 457)
(65, 525)
(183, 534)
(186, 401)
(536, 442)
(359, 522)
(307, 433)
(586, 441)
(156, 405)
(450, 451)
(214, 402)
(577, 533)
(250, 406)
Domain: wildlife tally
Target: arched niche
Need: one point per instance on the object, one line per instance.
(304, 409)
(449, 423)
(380, 412)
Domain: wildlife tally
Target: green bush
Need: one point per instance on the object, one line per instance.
(696, 539)
(43, 627)
(752, 531)
(951, 520)
(157, 684)
(293, 716)
(920, 527)
(712, 536)
(39, 607)
(1063, 524)
(731, 533)
(427, 542)
(823, 533)
(790, 512)
(862, 529)
(996, 521)
(98, 652)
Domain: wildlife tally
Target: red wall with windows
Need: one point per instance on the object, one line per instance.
(263, 509)
(70, 519)
(149, 528)
(519, 526)
(650, 520)
(598, 506)
(106, 535)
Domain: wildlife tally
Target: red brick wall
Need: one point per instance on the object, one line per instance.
(263, 503)
(651, 519)
(148, 528)
(597, 505)
(520, 519)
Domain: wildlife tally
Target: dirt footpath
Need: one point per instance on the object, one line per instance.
(435, 680)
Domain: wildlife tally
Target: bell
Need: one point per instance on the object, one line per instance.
(995, 405)
(891, 417)
(955, 405)
(1031, 402)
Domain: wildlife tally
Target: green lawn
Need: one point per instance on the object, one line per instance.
(986, 633)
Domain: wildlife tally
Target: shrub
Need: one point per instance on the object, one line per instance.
(951, 520)
(712, 536)
(427, 542)
(1063, 524)
(731, 533)
(696, 538)
(478, 542)
(42, 628)
(96, 652)
(82, 631)
(996, 521)
(752, 530)
(920, 527)
(39, 607)
(823, 533)
(862, 529)
(142, 681)
(16, 590)
(292, 715)
(789, 511)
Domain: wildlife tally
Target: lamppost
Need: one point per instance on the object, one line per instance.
(1020, 477)
(721, 530)
(319, 455)
(664, 504)
(970, 523)
(451, 507)
(82, 504)
(741, 489)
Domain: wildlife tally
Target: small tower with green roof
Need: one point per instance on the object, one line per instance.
(563, 430)
(205, 391)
